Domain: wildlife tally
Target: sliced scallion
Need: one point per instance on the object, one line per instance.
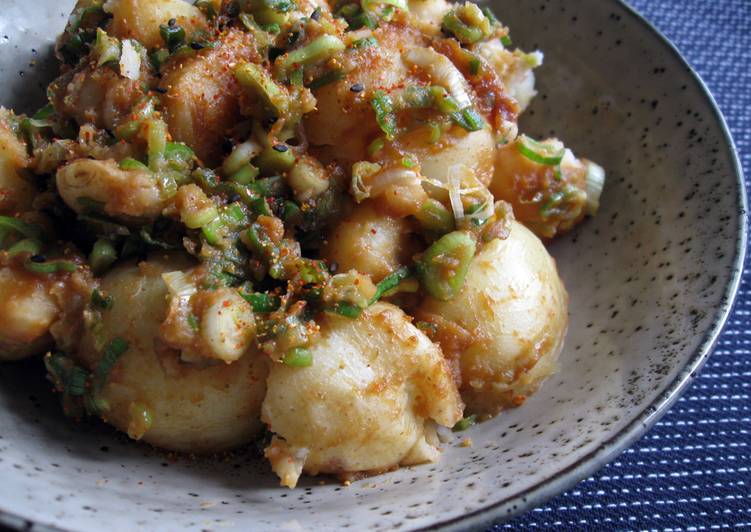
(383, 107)
(540, 152)
(299, 357)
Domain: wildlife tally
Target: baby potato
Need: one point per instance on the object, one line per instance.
(140, 19)
(28, 310)
(202, 100)
(16, 192)
(514, 307)
(366, 404)
(190, 408)
(122, 194)
(370, 242)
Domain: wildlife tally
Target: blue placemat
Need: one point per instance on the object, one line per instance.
(692, 471)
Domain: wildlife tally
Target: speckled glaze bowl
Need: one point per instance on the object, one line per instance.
(651, 279)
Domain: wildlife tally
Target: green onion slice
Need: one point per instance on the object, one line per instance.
(299, 357)
(539, 152)
(465, 423)
(51, 267)
(390, 282)
(384, 111)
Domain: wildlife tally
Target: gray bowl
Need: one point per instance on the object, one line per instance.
(652, 279)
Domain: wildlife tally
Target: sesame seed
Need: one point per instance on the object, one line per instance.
(357, 87)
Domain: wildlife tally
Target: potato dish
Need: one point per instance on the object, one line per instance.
(313, 227)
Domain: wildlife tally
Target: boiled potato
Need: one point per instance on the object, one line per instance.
(28, 309)
(140, 19)
(514, 307)
(428, 14)
(16, 192)
(122, 194)
(202, 101)
(366, 404)
(370, 242)
(192, 408)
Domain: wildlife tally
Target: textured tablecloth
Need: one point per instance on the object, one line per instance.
(692, 471)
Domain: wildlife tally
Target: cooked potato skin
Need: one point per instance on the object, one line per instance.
(140, 19)
(362, 405)
(514, 307)
(194, 409)
(370, 242)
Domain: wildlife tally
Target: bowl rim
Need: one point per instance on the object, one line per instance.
(611, 448)
(608, 450)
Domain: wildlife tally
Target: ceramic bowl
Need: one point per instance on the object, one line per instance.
(651, 280)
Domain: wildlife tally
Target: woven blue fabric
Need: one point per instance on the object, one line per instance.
(692, 471)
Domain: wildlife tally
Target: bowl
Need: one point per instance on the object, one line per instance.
(651, 278)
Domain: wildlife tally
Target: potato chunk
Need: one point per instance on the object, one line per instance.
(514, 307)
(192, 408)
(366, 404)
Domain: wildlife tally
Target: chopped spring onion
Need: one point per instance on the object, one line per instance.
(245, 175)
(444, 265)
(8, 224)
(207, 8)
(256, 80)
(506, 41)
(241, 155)
(262, 302)
(130, 164)
(369, 6)
(157, 143)
(553, 202)
(595, 182)
(275, 159)
(299, 357)
(465, 423)
(318, 50)
(546, 153)
(173, 35)
(463, 32)
(384, 111)
(390, 282)
(346, 309)
(467, 23)
(50, 267)
(102, 255)
(112, 353)
(106, 48)
(376, 146)
(29, 246)
(434, 217)
(101, 300)
(330, 77)
(365, 42)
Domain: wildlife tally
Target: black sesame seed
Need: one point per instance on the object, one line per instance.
(160, 90)
(270, 121)
(316, 14)
(357, 87)
(38, 258)
(171, 22)
(197, 46)
(333, 267)
(281, 148)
